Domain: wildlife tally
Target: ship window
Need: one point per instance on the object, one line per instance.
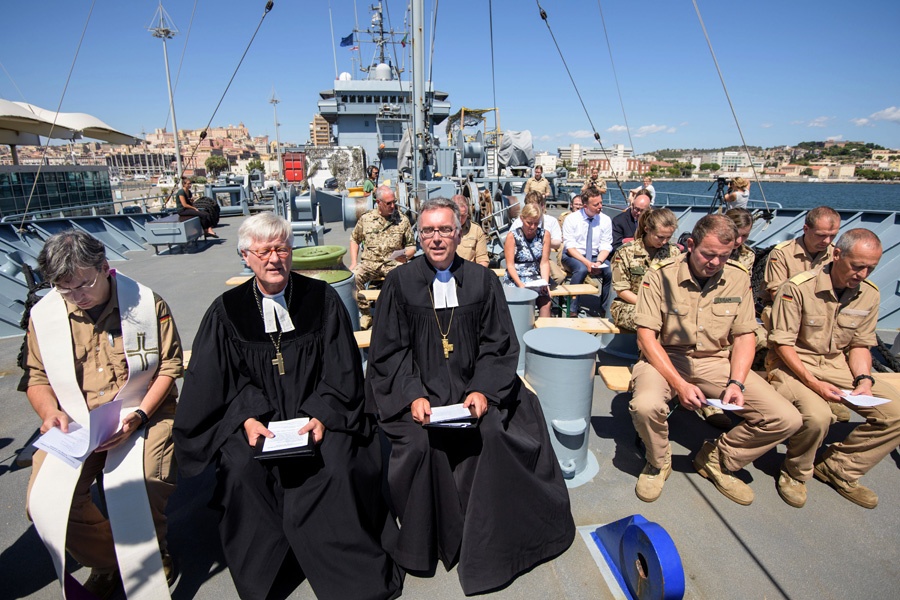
(367, 123)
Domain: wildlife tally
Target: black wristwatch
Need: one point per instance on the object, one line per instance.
(737, 383)
(144, 418)
(859, 378)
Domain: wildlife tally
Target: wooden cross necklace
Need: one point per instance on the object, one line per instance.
(448, 347)
(278, 361)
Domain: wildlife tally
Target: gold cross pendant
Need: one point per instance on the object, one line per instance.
(448, 347)
(278, 361)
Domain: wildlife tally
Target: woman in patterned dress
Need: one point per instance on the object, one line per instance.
(527, 253)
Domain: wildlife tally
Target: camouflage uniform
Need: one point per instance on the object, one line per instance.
(379, 238)
(630, 262)
(744, 255)
(598, 183)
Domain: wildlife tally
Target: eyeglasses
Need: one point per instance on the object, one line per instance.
(84, 287)
(445, 231)
(265, 253)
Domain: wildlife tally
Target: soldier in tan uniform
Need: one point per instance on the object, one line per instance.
(695, 325)
(473, 244)
(381, 232)
(537, 183)
(810, 250)
(76, 264)
(823, 324)
(594, 181)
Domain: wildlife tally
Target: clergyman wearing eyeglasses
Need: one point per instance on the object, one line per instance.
(278, 348)
(489, 498)
(387, 241)
(92, 334)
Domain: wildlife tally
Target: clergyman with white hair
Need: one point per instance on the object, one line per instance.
(278, 354)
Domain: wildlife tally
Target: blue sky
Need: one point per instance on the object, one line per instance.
(796, 71)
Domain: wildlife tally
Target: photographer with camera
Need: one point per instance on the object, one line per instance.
(738, 193)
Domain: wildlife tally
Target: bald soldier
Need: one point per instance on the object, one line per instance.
(695, 323)
(811, 250)
(823, 324)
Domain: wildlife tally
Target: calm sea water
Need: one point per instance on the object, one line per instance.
(842, 196)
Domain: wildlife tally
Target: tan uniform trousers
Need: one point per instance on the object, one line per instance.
(89, 537)
(767, 417)
(366, 272)
(864, 447)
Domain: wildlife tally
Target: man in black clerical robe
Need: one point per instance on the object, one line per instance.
(327, 509)
(490, 498)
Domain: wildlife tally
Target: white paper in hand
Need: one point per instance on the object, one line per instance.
(863, 400)
(286, 435)
(452, 412)
(719, 404)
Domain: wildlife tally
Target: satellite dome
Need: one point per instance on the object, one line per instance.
(382, 73)
(345, 76)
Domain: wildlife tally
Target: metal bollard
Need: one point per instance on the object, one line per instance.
(560, 366)
(521, 308)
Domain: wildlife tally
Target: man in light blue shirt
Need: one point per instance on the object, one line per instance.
(587, 243)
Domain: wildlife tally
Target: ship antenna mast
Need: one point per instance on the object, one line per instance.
(274, 102)
(163, 27)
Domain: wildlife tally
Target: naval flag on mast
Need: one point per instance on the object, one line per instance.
(347, 41)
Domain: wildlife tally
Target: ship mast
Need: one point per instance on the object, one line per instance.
(165, 30)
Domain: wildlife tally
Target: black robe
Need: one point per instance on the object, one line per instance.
(329, 509)
(492, 497)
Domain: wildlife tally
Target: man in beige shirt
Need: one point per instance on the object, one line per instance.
(823, 325)
(695, 324)
(811, 250)
(595, 182)
(473, 245)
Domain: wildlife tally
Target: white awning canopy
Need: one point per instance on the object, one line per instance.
(22, 118)
(16, 119)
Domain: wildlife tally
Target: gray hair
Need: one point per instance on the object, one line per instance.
(263, 227)
(381, 190)
(66, 252)
(852, 237)
(436, 203)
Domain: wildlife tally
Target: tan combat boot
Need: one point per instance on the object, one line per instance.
(104, 585)
(650, 481)
(841, 412)
(715, 416)
(791, 490)
(709, 465)
(851, 490)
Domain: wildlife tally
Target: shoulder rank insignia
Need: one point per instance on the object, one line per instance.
(662, 263)
(871, 283)
(783, 244)
(740, 266)
(802, 277)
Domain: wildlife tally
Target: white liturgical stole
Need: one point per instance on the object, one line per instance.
(275, 310)
(137, 549)
(444, 290)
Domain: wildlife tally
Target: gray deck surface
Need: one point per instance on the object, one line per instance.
(829, 549)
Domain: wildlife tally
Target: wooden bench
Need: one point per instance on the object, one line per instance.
(363, 338)
(592, 325)
(616, 378)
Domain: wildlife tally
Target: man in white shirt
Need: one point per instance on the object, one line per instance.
(647, 185)
(551, 226)
(587, 243)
